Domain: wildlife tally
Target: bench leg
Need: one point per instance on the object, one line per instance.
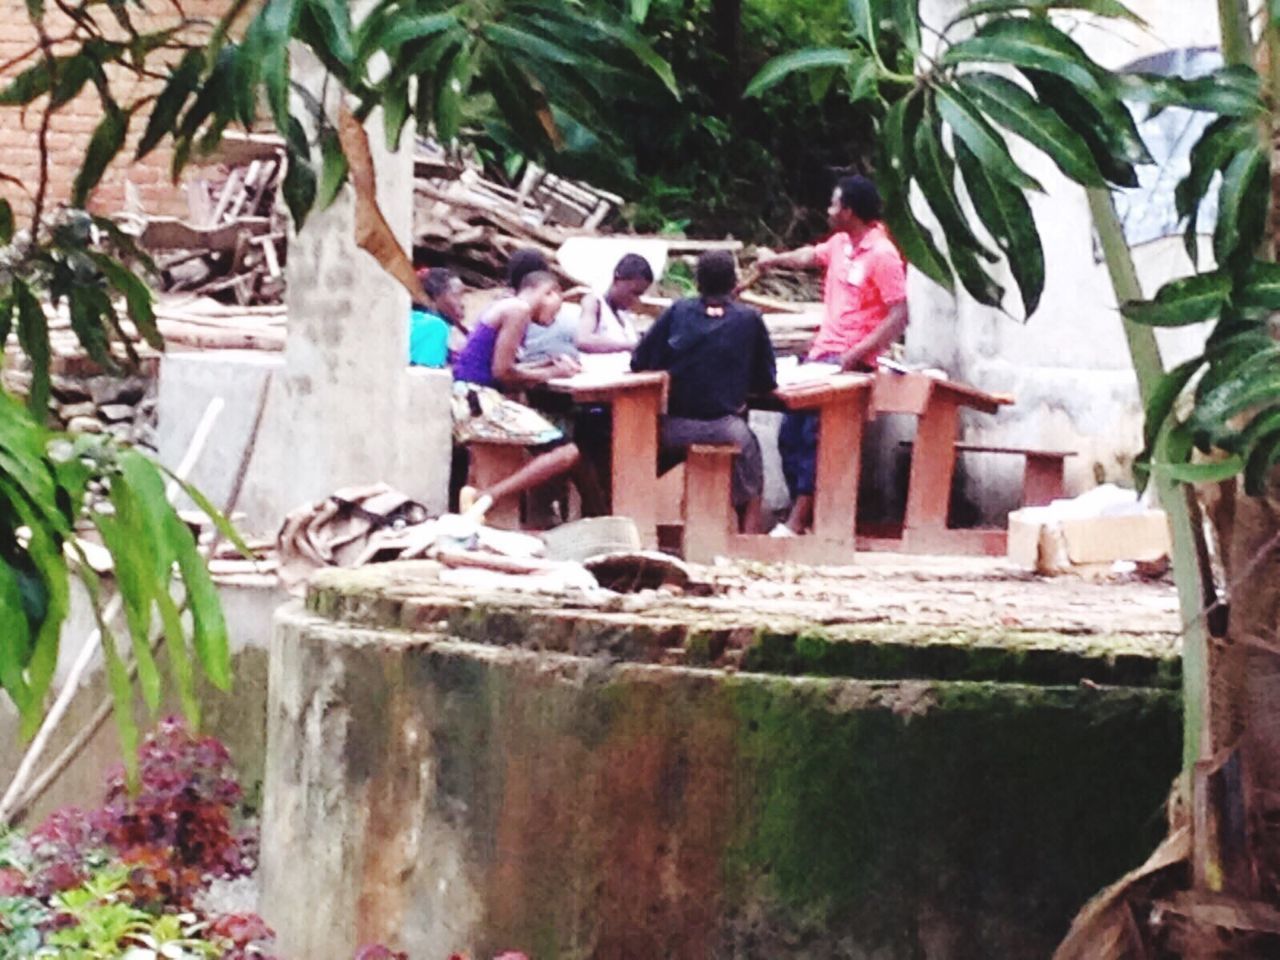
(1043, 480)
(489, 464)
(709, 518)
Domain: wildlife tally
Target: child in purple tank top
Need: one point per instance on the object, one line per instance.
(481, 412)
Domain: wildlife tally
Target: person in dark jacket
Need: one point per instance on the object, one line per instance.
(717, 353)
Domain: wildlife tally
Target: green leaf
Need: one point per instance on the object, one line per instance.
(1164, 396)
(1180, 303)
(6, 319)
(138, 298)
(279, 21)
(866, 22)
(299, 187)
(448, 97)
(1007, 216)
(132, 548)
(105, 144)
(1030, 44)
(15, 643)
(935, 172)
(1234, 91)
(1222, 140)
(641, 49)
(1242, 206)
(334, 19)
(1036, 45)
(1009, 105)
(333, 173)
(779, 68)
(1236, 395)
(72, 74)
(894, 176)
(639, 11)
(969, 126)
(33, 337)
(6, 228)
(27, 86)
(863, 80)
(45, 552)
(1261, 450)
(180, 665)
(177, 90)
(220, 521)
(1213, 472)
(906, 22)
(391, 33)
(1105, 8)
(1259, 287)
(212, 643)
(395, 113)
(1106, 144)
(1273, 10)
(122, 703)
(87, 323)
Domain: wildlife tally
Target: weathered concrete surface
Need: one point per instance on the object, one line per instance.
(447, 795)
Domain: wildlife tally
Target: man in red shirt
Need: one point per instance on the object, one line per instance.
(864, 294)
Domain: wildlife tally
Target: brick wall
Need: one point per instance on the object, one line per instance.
(72, 126)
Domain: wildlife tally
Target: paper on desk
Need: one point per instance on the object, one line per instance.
(599, 369)
(794, 374)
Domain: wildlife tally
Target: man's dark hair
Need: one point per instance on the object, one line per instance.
(436, 281)
(536, 278)
(524, 262)
(633, 267)
(860, 195)
(716, 273)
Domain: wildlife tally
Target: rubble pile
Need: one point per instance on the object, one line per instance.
(471, 224)
(123, 406)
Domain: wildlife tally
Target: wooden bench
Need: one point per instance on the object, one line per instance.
(1043, 477)
(710, 522)
(491, 461)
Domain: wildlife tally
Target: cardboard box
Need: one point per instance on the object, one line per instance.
(1048, 545)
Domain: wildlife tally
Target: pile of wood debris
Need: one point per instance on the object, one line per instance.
(472, 224)
(231, 246)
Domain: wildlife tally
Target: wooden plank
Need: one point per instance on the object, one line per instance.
(709, 518)
(835, 505)
(169, 233)
(933, 464)
(634, 457)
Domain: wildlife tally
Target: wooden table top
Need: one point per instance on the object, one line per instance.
(603, 388)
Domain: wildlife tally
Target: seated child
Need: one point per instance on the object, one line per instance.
(485, 367)
(717, 353)
(429, 324)
(604, 323)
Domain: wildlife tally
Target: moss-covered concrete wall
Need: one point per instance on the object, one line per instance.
(446, 796)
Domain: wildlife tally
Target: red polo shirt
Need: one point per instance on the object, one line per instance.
(862, 282)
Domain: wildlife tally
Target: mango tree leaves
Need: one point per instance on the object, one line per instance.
(896, 170)
(1182, 302)
(1011, 106)
(1005, 213)
(777, 69)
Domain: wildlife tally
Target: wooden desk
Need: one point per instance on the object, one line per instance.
(636, 400)
(936, 403)
(841, 403)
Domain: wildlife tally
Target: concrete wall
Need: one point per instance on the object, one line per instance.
(1069, 365)
(443, 796)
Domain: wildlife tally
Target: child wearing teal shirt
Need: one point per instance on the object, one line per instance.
(429, 326)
